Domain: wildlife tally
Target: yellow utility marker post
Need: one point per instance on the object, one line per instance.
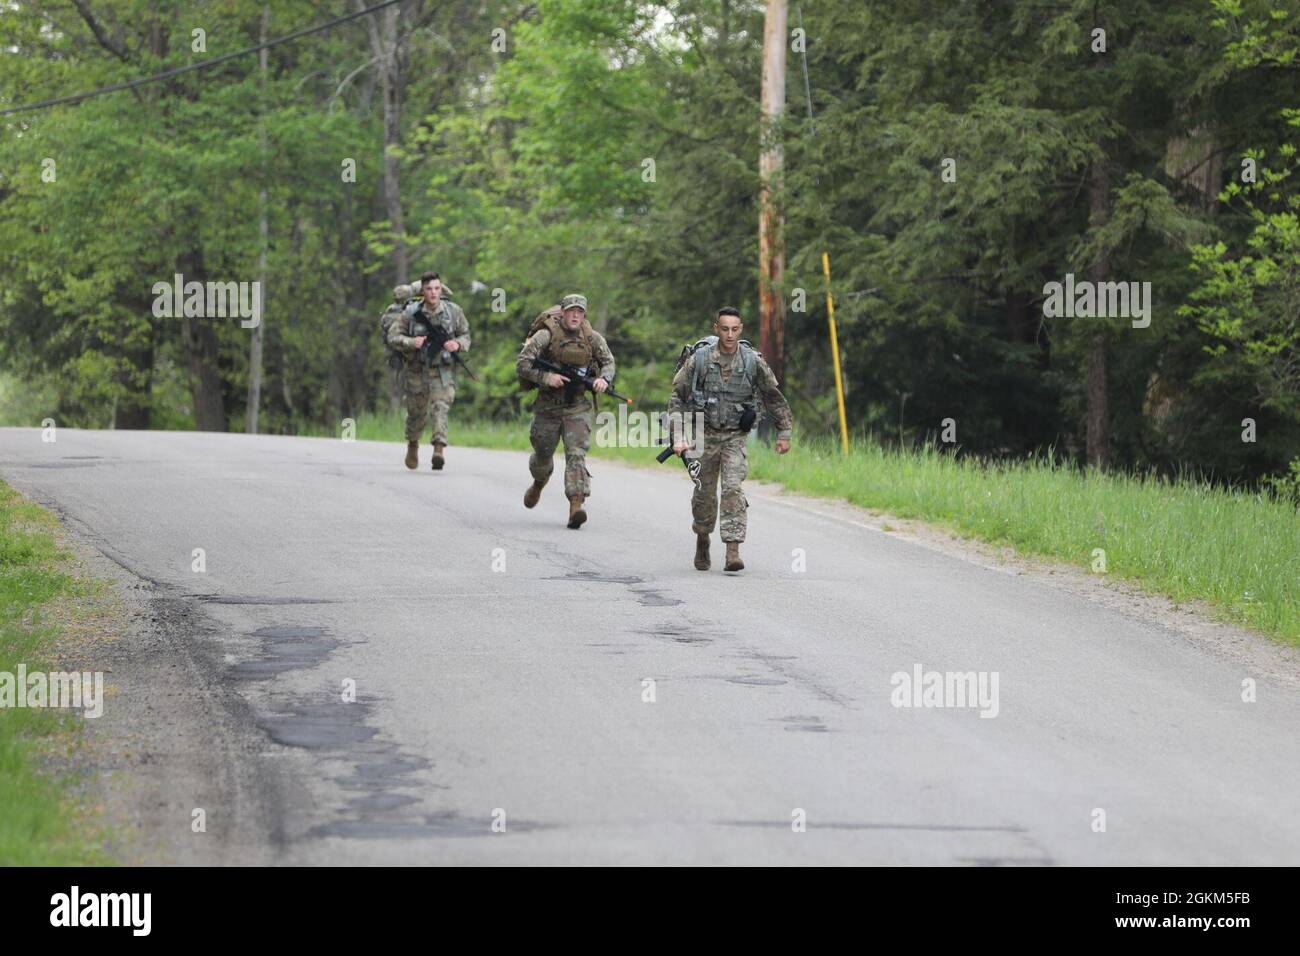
(835, 353)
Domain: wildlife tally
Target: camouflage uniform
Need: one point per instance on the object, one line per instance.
(725, 456)
(554, 418)
(429, 385)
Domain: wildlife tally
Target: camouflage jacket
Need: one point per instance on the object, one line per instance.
(681, 403)
(602, 359)
(452, 318)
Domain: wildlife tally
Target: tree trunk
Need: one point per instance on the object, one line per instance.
(1020, 322)
(384, 45)
(201, 352)
(205, 377)
(771, 247)
(1025, 327)
(353, 356)
(1098, 449)
(132, 409)
(1098, 403)
(1196, 160)
(263, 229)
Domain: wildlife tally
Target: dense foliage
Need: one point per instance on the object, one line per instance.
(951, 158)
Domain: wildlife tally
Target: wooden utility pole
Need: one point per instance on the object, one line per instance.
(771, 244)
(263, 233)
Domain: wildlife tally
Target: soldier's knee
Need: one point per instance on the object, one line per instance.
(733, 501)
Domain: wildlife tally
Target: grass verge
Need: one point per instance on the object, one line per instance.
(41, 820)
(1237, 551)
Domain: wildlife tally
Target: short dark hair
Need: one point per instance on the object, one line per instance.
(728, 310)
(429, 275)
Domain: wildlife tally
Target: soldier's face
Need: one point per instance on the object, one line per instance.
(433, 291)
(573, 317)
(727, 329)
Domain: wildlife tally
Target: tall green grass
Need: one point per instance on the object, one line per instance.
(41, 823)
(1238, 551)
(1235, 550)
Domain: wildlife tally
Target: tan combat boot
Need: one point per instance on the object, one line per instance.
(412, 454)
(702, 552)
(733, 557)
(437, 462)
(576, 515)
(533, 493)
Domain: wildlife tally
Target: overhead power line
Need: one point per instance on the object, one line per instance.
(202, 65)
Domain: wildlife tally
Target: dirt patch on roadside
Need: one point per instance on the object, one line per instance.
(171, 739)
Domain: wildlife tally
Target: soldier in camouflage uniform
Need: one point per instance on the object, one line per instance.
(429, 386)
(396, 362)
(721, 381)
(563, 336)
(401, 295)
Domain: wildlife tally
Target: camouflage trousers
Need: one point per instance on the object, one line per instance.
(573, 424)
(420, 402)
(725, 458)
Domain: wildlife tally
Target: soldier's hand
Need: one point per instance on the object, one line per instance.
(782, 446)
(556, 380)
(599, 385)
(419, 341)
(680, 446)
(451, 345)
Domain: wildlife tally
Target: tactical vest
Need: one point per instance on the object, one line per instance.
(420, 320)
(419, 323)
(724, 402)
(574, 348)
(570, 348)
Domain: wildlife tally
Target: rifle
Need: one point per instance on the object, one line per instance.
(434, 340)
(577, 377)
(693, 465)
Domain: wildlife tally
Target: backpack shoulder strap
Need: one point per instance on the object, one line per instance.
(703, 350)
(749, 361)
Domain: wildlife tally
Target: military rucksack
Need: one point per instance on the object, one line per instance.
(699, 354)
(393, 359)
(550, 320)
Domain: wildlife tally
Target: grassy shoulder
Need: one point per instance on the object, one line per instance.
(1236, 551)
(42, 822)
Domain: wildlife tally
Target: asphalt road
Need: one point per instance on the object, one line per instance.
(500, 664)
